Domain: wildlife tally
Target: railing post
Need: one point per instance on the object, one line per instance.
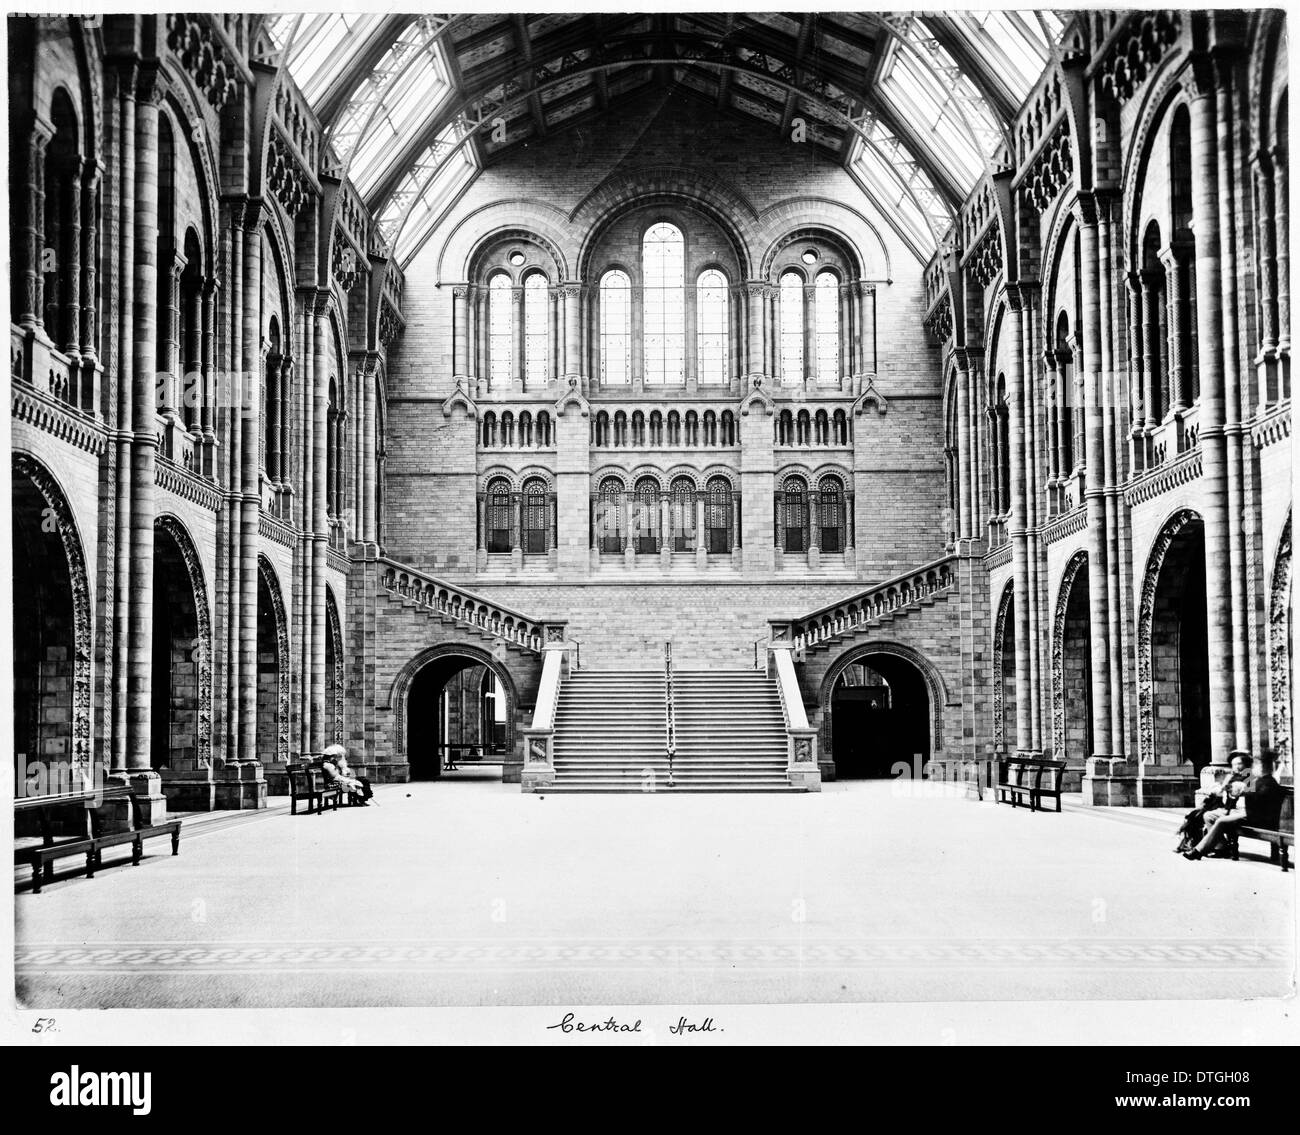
(801, 739)
(670, 738)
(538, 772)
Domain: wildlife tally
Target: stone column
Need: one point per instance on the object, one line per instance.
(1173, 258)
(965, 483)
(553, 335)
(1236, 436)
(369, 470)
(1213, 442)
(1093, 441)
(88, 320)
(754, 296)
(665, 531)
(1281, 191)
(701, 536)
(460, 329)
(32, 234)
(140, 759)
(517, 368)
(315, 620)
(246, 770)
(1017, 530)
(1055, 446)
(71, 271)
(1137, 362)
(571, 294)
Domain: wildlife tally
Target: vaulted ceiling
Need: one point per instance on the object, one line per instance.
(915, 107)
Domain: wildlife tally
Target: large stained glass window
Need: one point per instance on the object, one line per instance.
(792, 328)
(711, 316)
(663, 257)
(827, 314)
(535, 319)
(615, 328)
(500, 355)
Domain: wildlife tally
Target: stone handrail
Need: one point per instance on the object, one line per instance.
(875, 602)
(464, 606)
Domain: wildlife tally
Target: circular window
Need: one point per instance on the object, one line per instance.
(809, 256)
(517, 258)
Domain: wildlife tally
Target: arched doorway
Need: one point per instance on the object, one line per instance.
(1072, 673)
(881, 715)
(51, 637)
(1004, 674)
(459, 709)
(272, 681)
(1173, 655)
(333, 730)
(181, 692)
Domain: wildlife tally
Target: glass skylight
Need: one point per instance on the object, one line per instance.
(320, 47)
(1014, 43)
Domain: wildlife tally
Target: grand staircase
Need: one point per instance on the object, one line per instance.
(611, 733)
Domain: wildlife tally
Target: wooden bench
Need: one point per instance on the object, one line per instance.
(307, 782)
(1280, 839)
(1031, 779)
(90, 838)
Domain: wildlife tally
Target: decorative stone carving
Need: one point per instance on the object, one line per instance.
(1279, 650)
(285, 177)
(203, 56)
(1133, 57)
(999, 650)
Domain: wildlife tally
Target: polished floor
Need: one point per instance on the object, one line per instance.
(473, 894)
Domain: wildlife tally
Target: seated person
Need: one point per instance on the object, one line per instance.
(1254, 802)
(335, 764)
(1225, 799)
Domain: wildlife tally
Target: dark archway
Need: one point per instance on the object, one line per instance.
(177, 650)
(1072, 672)
(44, 646)
(333, 730)
(51, 636)
(458, 706)
(881, 717)
(1004, 674)
(272, 680)
(1173, 655)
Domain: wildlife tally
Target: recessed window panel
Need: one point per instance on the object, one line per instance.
(827, 320)
(535, 321)
(792, 328)
(500, 353)
(663, 258)
(615, 329)
(711, 318)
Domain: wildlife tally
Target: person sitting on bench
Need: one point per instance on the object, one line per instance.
(1260, 796)
(335, 764)
(1225, 799)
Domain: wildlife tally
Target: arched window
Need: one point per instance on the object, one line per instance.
(620, 429)
(682, 514)
(728, 428)
(692, 429)
(489, 430)
(804, 428)
(827, 317)
(791, 328)
(663, 266)
(498, 515)
(674, 428)
(646, 516)
(61, 223)
(822, 428)
(537, 525)
(785, 428)
(543, 430)
(500, 354)
(794, 508)
(717, 516)
(832, 518)
(609, 516)
(615, 329)
(656, 428)
(711, 321)
(535, 320)
(190, 344)
(710, 428)
(841, 423)
(525, 430)
(1187, 378)
(1065, 375)
(638, 429)
(507, 429)
(602, 430)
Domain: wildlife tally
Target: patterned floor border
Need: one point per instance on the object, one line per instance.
(468, 955)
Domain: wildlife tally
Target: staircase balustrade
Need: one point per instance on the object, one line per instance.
(670, 746)
(879, 600)
(464, 606)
